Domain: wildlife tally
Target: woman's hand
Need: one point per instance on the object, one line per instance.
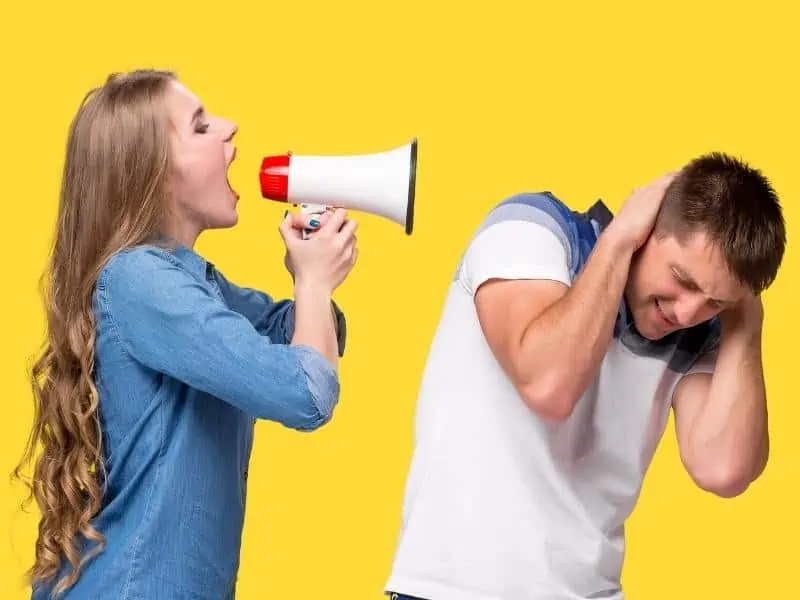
(327, 256)
(303, 222)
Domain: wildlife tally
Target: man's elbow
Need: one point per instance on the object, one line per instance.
(725, 480)
(549, 398)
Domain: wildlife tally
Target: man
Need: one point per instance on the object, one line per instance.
(565, 339)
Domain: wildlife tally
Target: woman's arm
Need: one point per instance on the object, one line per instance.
(170, 322)
(274, 318)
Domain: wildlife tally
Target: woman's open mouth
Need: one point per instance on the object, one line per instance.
(227, 175)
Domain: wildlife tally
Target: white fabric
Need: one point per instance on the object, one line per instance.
(500, 505)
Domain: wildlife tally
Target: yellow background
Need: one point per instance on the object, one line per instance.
(587, 101)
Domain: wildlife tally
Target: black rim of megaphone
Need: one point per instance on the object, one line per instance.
(412, 181)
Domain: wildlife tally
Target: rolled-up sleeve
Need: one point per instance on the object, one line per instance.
(169, 321)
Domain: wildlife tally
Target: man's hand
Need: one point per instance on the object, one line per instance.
(721, 419)
(635, 220)
(746, 316)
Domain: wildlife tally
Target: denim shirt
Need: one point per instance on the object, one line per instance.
(185, 361)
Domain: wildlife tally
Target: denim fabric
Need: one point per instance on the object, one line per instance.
(185, 363)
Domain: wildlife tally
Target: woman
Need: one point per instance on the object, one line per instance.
(155, 365)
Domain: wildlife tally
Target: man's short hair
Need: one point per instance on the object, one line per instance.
(736, 206)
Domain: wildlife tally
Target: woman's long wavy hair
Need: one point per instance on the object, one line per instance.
(113, 196)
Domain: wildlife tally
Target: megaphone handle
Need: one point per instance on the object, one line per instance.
(312, 209)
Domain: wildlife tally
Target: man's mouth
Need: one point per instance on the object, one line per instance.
(663, 315)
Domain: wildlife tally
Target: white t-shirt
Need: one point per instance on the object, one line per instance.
(499, 504)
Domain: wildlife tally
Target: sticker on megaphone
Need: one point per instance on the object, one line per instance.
(382, 184)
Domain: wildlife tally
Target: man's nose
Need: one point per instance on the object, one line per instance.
(687, 310)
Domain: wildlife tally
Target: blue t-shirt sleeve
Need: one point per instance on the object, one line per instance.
(169, 321)
(273, 318)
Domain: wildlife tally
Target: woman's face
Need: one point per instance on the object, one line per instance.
(201, 197)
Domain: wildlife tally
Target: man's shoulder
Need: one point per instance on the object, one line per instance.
(521, 221)
(540, 208)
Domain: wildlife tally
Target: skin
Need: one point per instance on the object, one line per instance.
(677, 284)
(202, 198)
(551, 339)
(203, 149)
(720, 419)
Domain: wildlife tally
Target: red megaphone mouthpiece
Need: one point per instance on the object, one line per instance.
(274, 177)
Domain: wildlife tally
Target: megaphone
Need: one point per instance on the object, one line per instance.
(381, 184)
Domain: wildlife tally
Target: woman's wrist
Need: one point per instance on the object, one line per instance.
(311, 290)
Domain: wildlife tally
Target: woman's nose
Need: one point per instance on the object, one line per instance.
(230, 130)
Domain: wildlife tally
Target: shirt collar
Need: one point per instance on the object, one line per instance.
(600, 213)
(195, 264)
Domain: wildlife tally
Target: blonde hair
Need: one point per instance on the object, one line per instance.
(113, 196)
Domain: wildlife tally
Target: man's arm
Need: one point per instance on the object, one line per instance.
(550, 338)
(721, 418)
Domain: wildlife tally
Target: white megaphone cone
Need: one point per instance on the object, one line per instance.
(381, 184)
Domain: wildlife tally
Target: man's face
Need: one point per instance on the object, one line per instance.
(675, 285)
